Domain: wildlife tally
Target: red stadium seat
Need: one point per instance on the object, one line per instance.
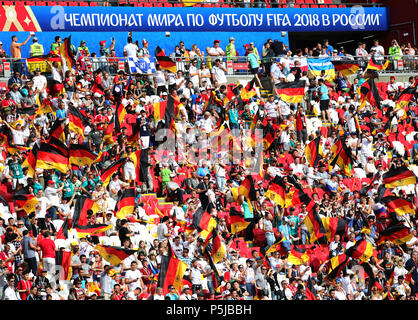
(7, 3)
(41, 3)
(63, 3)
(94, 4)
(83, 4)
(51, 3)
(73, 3)
(30, 3)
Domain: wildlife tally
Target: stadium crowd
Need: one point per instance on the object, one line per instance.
(208, 205)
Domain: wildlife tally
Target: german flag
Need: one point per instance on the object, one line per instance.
(342, 158)
(398, 234)
(81, 155)
(374, 65)
(362, 250)
(90, 229)
(297, 256)
(59, 145)
(216, 278)
(63, 259)
(12, 148)
(346, 68)
(315, 226)
(268, 140)
(336, 265)
(399, 205)
(372, 279)
(136, 158)
(309, 288)
(292, 92)
(30, 160)
(405, 97)
(63, 231)
(248, 91)
(27, 202)
(114, 255)
(202, 220)
(120, 115)
(295, 197)
(57, 130)
(397, 177)
(369, 92)
(276, 247)
(313, 151)
(159, 110)
(46, 107)
(108, 133)
(41, 62)
(50, 157)
(110, 170)
(217, 251)
(125, 203)
(171, 272)
(164, 61)
(237, 221)
(66, 53)
(277, 193)
(333, 226)
(82, 206)
(77, 123)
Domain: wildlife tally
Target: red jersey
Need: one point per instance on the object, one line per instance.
(100, 118)
(24, 285)
(48, 248)
(9, 265)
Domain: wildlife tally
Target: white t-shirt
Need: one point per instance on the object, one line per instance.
(159, 78)
(38, 83)
(41, 209)
(195, 78)
(219, 74)
(18, 137)
(216, 51)
(131, 49)
(196, 276)
(131, 275)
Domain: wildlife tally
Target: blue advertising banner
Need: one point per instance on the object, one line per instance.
(110, 19)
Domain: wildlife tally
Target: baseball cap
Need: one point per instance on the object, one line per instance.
(50, 181)
(82, 41)
(217, 41)
(1, 42)
(231, 38)
(102, 43)
(144, 41)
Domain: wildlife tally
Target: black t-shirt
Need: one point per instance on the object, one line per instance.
(123, 234)
(204, 199)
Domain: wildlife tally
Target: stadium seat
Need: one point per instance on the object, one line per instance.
(51, 3)
(94, 4)
(41, 3)
(7, 3)
(73, 3)
(83, 4)
(30, 3)
(63, 3)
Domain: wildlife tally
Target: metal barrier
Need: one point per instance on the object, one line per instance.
(234, 65)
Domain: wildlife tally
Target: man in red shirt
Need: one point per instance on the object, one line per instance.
(47, 246)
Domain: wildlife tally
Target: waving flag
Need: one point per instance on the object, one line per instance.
(114, 255)
(171, 271)
(398, 205)
(346, 67)
(398, 234)
(315, 66)
(141, 65)
(164, 61)
(67, 53)
(375, 65)
(292, 92)
(313, 151)
(362, 250)
(125, 203)
(397, 177)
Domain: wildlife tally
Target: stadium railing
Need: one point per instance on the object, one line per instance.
(235, 66)
(200, 3)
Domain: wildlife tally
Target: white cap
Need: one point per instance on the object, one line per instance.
(172, 175)
(186, 287)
